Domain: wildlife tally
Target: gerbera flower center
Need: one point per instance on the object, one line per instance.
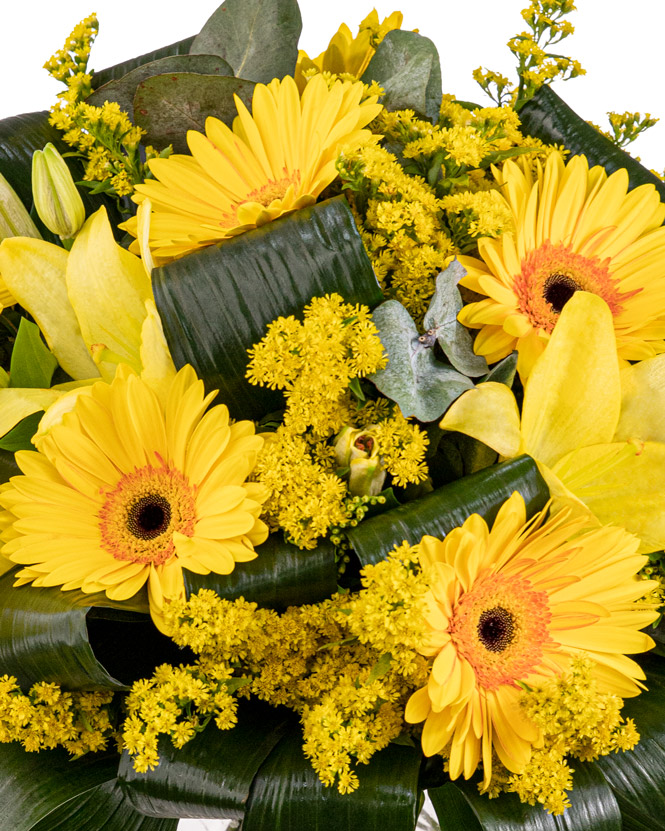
(552, 273)
(501, 626)
(273, 189)
(143, 511)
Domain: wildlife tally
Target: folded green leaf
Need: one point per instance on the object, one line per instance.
(217, 303)
(288, 796)
(123, 89)
(407, 66)
(166, 106)
(439, 512)
(504, 371)
(20, 437)
(282, 575)
(259, 38)
(212, 774)
(32, 363)
(119, 70)
(441, 320)
(422, 386)
(549, 118)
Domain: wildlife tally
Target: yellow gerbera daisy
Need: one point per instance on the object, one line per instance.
(575, 229)
(348, 55)
(512, 606)
(130, 488)
(274, 161)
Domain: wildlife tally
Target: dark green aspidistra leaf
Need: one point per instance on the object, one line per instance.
(439, 512)
(549, 118)
(166, 106)
(123, 89)
(33, 363)
(217, 303)
(407, 66)
(258, 38)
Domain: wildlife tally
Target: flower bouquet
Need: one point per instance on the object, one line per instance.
(332, 451)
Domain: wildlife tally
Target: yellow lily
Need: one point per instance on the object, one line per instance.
(593, 429)
(95, 308)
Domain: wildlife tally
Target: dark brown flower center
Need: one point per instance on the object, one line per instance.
(558, 289)
(149, 516)
(496, 629)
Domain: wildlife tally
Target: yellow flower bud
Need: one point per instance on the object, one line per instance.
(359, 451)
(366, 477)
(57, 199)
(14, 219)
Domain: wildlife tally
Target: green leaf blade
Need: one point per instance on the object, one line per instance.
(32, 363)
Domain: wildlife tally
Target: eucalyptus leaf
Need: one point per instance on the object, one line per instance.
(258, 38)
(119, 70)
(448, 507)
(287, 795)
(123, 89)
(32, 785)
(504, 371)
(211, 775)
(168, 105)
(407, 66)
(282, 575)
(215, 304)
(441, 320)
(32, 363)
(422, 386)
(549, 118)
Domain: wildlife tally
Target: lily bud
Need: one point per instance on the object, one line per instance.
(358, 450)
(14, 219)
(57, 199)
(366, 477)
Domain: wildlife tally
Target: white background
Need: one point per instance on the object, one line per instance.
(619, 43)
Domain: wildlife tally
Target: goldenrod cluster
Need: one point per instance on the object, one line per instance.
(626, 127)
(346, 666)
(402, 447)
(47, 717)
(535, 65)
(105, 135)
(576, 721)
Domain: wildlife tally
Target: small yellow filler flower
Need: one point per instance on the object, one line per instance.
(131, 488)
(274, 161)
(515, 606)
(576, 229)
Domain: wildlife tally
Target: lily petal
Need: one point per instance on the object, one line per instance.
(643, 401)
(16, 403)
(488, 413)
(573, 396)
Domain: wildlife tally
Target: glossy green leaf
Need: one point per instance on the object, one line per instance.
(104, 807)
(407, 66)
(32, 785)
(504, 371)
(259, 38)
(123, 89)
(119, 70)
(217, 303)
(78, 640)
(593, 807)
(439, 512)
(168, 105)
(288, 796)
(421, 385)
(212, 774)
(282, 575)
(19, 437)
(637, 777)
(32, 363)
(452, 809)
(441, 321)
(549, 118)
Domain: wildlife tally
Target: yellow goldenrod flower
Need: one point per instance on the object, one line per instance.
(515, 606)
(576, 229)
(590, 448)
(56, 197)
(130, 489)
(274, 161)
(348, 55)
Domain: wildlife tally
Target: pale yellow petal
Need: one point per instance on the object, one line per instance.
(488, 413)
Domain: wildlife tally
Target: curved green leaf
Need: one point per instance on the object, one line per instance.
(287, 794)
(439, 512)
(20, 437)
(259, 38)
(217, 303)
(32, 785)
(549, 118)
(211, 775)
(282, 575)
(637, 777)
(166, 106)
(123, 89)
(593, 807)
(407, 66)
(104, 807)
(8, 466)
(119, 70)
(77, 640)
